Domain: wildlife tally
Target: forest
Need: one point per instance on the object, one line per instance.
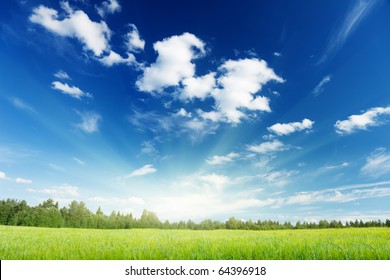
(77, 215)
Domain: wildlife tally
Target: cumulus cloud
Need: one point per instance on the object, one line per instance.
(114, 58)
(173, 63)
(72, 91)
(377, 164)
(144, 170)
(23, 181)
(2, 175)
(198, 87)
(108, 7)
(60, 74)
(288, 128)
(183, 113)
(89, 122)
(75, 24)
(237, 87)
(133, 40)
(321, 85)
(361, 122)
(221, 160)
(268, 147)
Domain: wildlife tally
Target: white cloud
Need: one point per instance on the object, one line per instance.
(352, 20)
(213, 116)
(175, 124)
(60, 74)
(23, 181)
(268, 147)
(183, 113)
(221, 160)
(108, 7)
(57, 167)
(215, 181)
(72, 91)
(321, 85)
(89, 122)
(377, 164)
(277, 54)
(198, 87)
(288, 128)
(338, 195)
(197, 128)
(2, 175)
(62, 191)
(133, 40)
(144, 170)
(76, 24)
(328, 168)
(148, 147)
(22, 105)
(79, 161)
(237, 86)
(278, 178)
(113, 58)
(173, 63)
(361, 122)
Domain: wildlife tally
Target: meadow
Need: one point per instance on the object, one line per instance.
(19, 243)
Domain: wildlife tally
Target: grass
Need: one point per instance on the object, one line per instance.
(17, 243)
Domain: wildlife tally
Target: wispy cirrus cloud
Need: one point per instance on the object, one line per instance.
(360, 9)
(79, 161)
(372, 117)
(89, 122)
(60, 74)
(321, 85)
(144, 170)
(22, 105)
(377, 164)
(340, 195)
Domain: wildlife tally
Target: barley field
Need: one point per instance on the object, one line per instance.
(19, 243)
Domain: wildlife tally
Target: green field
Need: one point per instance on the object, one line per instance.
(144, 244)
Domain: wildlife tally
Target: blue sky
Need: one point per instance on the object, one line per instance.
(198, 109)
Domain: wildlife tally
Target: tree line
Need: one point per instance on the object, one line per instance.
(77, 215)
